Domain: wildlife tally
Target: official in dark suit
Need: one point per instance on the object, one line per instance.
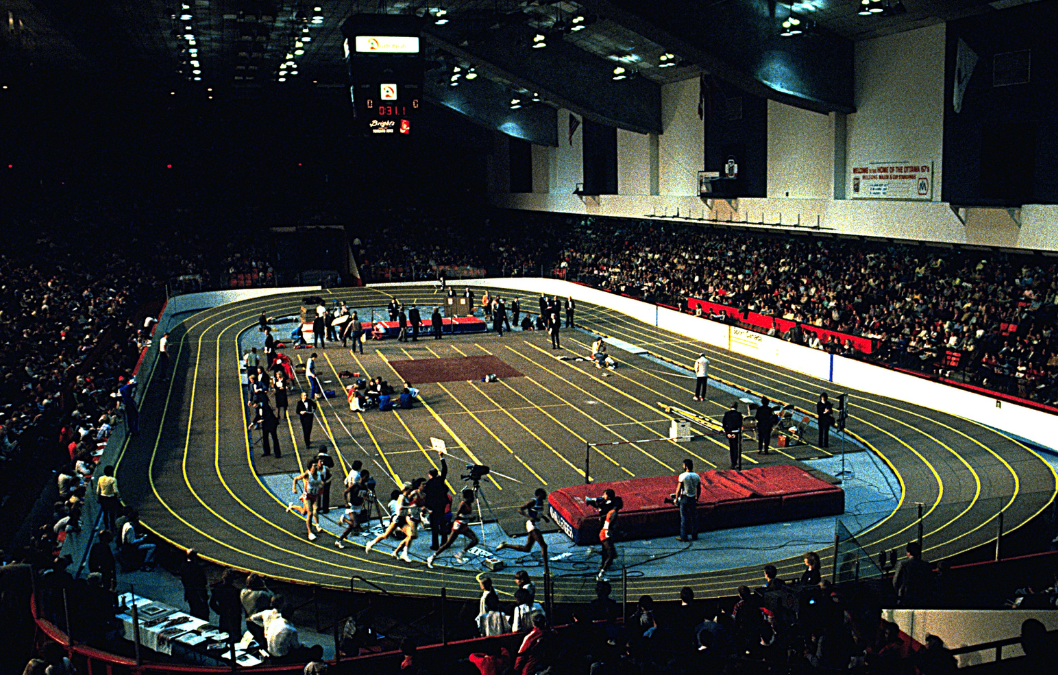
(415, 320)
(732, 423)
(269, 425)
(570, 307)
(825, 415)
(305, 410)
(270, 347)
(766, 420)
(319, 332)
(516, 310)
(436, 500)
(402, 324)
(499, 317)
(436, 323)
(553, 325)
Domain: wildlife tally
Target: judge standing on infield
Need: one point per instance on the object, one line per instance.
(688, 489)
(701, 375)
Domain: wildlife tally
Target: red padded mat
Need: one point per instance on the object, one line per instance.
(461, 368)
(729, 499)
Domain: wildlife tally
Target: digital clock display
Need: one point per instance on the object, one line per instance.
(393, 110)
(386, 72)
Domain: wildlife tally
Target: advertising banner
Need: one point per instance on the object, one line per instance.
(893, 180)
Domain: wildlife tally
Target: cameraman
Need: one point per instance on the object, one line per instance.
(608, 506)
(688, 490)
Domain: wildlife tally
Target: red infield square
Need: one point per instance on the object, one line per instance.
(455, 369)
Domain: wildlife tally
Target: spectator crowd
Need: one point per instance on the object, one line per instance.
(995, 310)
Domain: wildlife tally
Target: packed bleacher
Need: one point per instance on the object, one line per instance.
(74, 320)
(416, 245)
(990, 314)
(78, 304)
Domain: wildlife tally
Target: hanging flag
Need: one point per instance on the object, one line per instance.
(702, 89)
(965, 61)
(574, 124)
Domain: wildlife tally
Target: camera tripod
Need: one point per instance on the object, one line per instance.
(373, 507)
(479, 498)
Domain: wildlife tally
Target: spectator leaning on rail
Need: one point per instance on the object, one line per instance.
(913, 579)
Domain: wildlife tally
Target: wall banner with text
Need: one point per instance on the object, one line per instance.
(893, 180)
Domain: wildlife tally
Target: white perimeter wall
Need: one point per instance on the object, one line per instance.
(899, 116)
(1034, 425)
(196, 302)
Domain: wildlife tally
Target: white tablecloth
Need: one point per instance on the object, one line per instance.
(175, 628)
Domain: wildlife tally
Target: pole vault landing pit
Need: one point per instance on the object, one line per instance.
(456, 369)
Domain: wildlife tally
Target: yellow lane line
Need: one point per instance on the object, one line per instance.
(635, 400)
(491, 433)
(554, 419)
(593, 396)
(529, 431)
(363, 421)
(444, 425)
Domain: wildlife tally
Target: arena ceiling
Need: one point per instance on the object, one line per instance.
(239, 46)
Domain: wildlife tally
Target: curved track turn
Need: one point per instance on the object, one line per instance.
(191, 470)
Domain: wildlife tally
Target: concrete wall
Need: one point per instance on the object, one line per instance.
(681, 146)
(900, 92)
(541, 168)
(567, 161)
(634, 167)
(961, 628)
(899, 101)
(800, 153)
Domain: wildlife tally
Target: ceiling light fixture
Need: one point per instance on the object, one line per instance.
(471, 74)
(579, 23)
(619, 73)
(440, 16)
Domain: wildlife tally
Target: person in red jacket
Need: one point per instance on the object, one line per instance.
(495, 663)
(537, 650)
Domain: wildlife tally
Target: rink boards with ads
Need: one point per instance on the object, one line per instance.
(729, 499)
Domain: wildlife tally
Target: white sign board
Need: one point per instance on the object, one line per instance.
(377, 44)
(893, 180)
(438, 445)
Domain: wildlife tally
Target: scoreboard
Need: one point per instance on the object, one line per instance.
(385, 72)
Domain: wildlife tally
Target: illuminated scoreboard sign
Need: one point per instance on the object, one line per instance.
(386, 73)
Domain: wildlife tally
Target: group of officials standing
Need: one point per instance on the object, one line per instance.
(765, 416)
(550, 318)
